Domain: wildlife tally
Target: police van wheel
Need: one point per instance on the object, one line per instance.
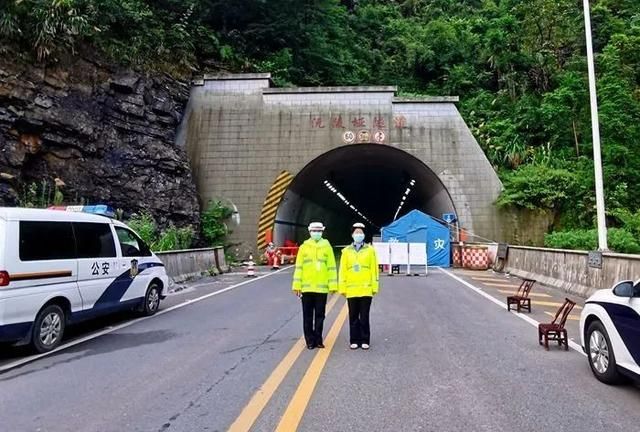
(48, 329)
(151, 300)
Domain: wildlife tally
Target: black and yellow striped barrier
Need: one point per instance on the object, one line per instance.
(270, 206)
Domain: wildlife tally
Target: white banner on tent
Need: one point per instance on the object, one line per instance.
(417, 256)
(382, 253)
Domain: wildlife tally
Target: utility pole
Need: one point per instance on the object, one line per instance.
(595, 127)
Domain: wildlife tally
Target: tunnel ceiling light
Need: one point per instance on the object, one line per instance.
(333, 189)
(403, 200)
(396, 215)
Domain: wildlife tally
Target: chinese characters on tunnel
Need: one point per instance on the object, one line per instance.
(359, 122)
(378, 122)
(338, 122)
(400, 122)
(359, 128)
(317, 122)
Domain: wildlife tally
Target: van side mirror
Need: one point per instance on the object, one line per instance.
(624, 289)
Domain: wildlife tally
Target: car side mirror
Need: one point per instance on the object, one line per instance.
(624, 289)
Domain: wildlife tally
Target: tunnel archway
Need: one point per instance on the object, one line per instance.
(371, 183)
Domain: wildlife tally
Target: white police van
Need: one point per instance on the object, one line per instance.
(610, 332)
(61, 267)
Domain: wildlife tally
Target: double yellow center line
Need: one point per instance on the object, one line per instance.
(295, 410)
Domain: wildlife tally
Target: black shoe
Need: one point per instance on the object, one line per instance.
(320, 345)
(310, 347)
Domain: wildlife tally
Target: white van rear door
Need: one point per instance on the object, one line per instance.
(40, 259)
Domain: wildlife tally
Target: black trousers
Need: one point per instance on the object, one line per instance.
(360, 332)
(313, 306)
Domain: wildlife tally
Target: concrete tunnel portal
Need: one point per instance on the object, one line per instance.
(269, 151)
(369, 183)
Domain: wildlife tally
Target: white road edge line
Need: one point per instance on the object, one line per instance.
(24, 361)
(572, 344)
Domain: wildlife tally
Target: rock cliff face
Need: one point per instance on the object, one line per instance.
(108, 135)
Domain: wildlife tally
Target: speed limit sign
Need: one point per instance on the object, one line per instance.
(348, 137)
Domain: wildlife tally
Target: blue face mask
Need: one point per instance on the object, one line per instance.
(358, 238)
(316, 235)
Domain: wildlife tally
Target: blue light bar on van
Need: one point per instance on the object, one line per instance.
(102, 210)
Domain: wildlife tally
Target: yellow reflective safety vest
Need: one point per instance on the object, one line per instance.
(315, 268)
(359, 272)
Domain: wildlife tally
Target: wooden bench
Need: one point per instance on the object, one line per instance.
(521, 298)
(555, 331)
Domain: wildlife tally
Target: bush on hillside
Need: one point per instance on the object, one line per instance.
(171, 238)
(619, 239)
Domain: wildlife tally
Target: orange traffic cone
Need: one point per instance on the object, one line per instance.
(276, 261)
(251, 270)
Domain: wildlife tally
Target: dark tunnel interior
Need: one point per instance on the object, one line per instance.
(358, 183)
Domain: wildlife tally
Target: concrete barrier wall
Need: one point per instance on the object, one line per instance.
(186, 264)
(569, 270)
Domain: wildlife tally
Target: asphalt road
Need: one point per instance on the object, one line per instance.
(443, 358)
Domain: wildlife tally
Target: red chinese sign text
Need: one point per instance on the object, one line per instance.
(316, 122)
(400, 122)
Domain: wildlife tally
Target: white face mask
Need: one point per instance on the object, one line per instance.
(316, 235)
(358, 238)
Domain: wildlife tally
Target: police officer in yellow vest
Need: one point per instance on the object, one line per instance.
(359, 283)
(315, 276)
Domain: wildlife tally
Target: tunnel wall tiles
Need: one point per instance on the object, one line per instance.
(240, 137)
(316, 99)
(448, 146)
(236, 86)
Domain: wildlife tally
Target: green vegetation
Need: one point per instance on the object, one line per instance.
(214, 228)
(212, 220)
(519, 67)
(171, 238)
(42, 195)
(619, 239)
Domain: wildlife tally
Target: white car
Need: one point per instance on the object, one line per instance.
(610, 332)
(61, 267)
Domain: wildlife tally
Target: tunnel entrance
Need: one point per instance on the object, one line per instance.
(370, 183)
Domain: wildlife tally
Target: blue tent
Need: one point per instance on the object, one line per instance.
(418, 227)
